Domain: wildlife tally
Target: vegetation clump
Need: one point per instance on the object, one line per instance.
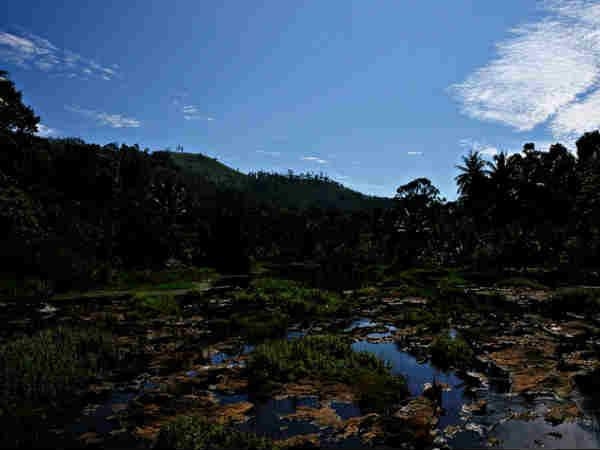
(329, 359)
(576, 300)
(197, 433)
(148, 306)
(449, 352)
(292, 298)
(520, 283)
(52, 364)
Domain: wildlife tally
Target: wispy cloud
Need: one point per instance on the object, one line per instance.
(481, 147)
(273, 154)
(191, 112)
(314, 159)
(33, 52)
(414, 153)
(46, 131)
(103, 118)
(547, 70)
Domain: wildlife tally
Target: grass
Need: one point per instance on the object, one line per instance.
(292, 298)
(255, 326)
(449, 352)
(575, 300)
(148, 306)
(520, 282)
(52, 364)
(161, 279)
(329, 359)
(197, 433)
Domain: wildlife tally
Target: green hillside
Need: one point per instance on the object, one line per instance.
(292, 190)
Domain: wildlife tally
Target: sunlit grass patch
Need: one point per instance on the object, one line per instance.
(52, 364)
(146, 305)
(330, 359)
(196, 433)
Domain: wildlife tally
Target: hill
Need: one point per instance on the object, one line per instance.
(291, 190)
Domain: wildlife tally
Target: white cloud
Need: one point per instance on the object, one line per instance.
(191, 112)
(547, 70)
(45, 131)
(314, 159)
(483, 148)
(30, 51)
(414, 153)
(273, 154)
(103, 118)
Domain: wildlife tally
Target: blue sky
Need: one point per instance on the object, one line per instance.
(373, 94)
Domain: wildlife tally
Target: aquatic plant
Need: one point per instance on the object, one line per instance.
(450, 352)
(197, 433)
(326, 358)
(52, 364)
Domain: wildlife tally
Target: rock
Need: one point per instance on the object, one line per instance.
(414, 421)
(477, 408)
(558, 414)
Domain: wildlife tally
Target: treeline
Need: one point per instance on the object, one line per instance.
(71, 213)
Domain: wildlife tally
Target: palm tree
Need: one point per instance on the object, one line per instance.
(473, 176)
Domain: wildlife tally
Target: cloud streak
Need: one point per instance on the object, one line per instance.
(191, 112)
(46, 131)
(273, 154)
(29, 51)
(106, 119)
(414, 153)
(547, 72)
(314, 159)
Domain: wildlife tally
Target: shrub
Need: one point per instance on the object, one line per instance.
(196, 433)
(450, 352)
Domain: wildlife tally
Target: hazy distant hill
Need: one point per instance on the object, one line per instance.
(298, 190)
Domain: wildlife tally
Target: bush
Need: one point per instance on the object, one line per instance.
(448, 352)
(196, 433)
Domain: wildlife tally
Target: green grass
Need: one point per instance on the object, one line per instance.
(576, 300)
(197, 433)
(148, 306)
(255, 326)
(292, 298)
(447, 352)
(330, 359)
(161, 279)
(52, 364)
(520, 282)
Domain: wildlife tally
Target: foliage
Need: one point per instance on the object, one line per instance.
(150, 305)
(292, 298)
(520, 282)
(197, 433)
(52, 364)
(14, 115)
(451, 352)
(576, 300)
(326, 358)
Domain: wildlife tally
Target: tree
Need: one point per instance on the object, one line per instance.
(14, 115)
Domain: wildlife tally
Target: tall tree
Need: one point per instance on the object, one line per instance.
(14, 115)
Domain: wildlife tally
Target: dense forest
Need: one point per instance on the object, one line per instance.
(72, 212)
